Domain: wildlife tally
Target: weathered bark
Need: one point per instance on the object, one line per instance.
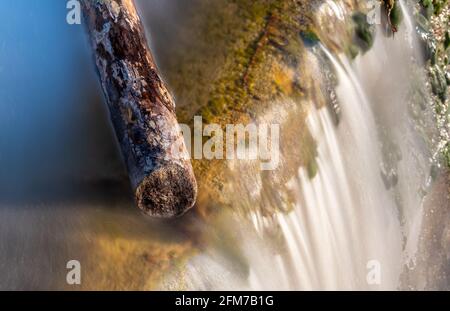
(141, 108)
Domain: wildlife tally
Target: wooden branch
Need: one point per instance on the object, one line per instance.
(141, 108)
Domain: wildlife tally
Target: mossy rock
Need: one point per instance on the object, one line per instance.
(439, 5)
(309, 37)
(438, 83)
(396, 16)
(446, 155)
(364, 32)
(234, 61)
(447, 40)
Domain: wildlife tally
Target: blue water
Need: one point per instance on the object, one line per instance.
(54, 127)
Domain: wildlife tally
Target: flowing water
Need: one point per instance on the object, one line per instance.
(363, 208)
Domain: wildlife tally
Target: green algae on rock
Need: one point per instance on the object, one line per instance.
(435, 32)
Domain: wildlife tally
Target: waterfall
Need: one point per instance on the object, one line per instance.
(363, 208)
